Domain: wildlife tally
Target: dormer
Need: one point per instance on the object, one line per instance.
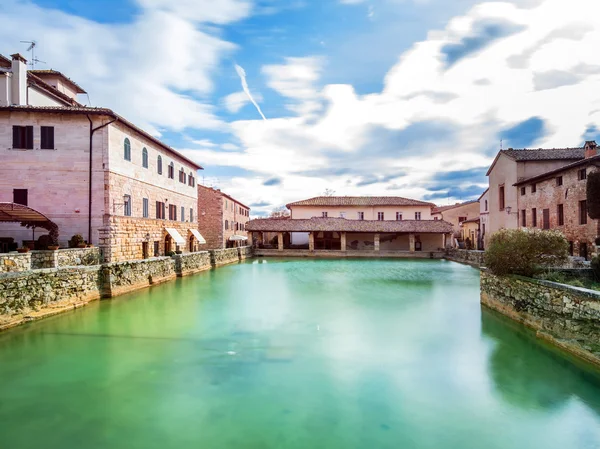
(60, 82)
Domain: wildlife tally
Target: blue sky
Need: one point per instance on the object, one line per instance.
(363, 97)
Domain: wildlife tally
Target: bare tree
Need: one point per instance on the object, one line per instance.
(329, 192)
(280, 212)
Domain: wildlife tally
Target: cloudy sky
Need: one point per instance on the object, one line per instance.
(280, 100)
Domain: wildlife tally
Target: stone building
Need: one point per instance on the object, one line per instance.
(221, 218)
(557, 199)
(484, 215)
(456, 214)
(91, 171)
(511, 166)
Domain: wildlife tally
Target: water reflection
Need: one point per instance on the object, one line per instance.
(531, 375)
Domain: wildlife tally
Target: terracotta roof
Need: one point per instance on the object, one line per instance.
(73, 84)
(5, 62)
(595, 160)
(98, 111)
(541, 154)
(344, 225)
(472, 220)
(437, 210)
(359, 201)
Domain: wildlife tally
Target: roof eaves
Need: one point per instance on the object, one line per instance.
(593, 160)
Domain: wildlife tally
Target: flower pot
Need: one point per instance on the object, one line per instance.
(52, 247)
(81, 245)
(23, 250)
(89, 245)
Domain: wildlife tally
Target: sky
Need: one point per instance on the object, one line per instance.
(281, 100)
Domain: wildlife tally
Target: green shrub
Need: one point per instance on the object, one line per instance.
(43, 242)
(525, 251)
(576, 283)
(76, 240)
(596, 267)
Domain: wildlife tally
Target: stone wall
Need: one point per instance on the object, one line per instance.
(13, 262)
(210, 216)
(567, 316)
(78, 256)
(191, 263)
(471, 257)
(245, 252)
(124, 277)
(44, 259)
(224, 256)
(23, 295)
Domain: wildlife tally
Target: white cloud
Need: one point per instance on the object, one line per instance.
(430, 116)
(235, 101)
(140, 68)
(242, 74)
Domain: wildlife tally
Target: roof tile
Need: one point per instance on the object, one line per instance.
(344, 225)
(359, 201)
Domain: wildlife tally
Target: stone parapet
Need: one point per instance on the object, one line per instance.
(224, 256)
(123, 277)
(15, 262)
(78, 256)
(471, 257)
(349, 253)
(245, 252)
(191, 263)
(564, 315)
(44, 259)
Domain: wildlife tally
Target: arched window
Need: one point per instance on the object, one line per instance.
(171, 173)
(159, 165)
(191, 180)
(145, 158)
(226, 224)
(127, 149)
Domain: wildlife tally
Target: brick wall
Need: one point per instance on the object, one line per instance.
(210, 217)
(549, 195)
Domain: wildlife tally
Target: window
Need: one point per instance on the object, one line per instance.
(145, 158)
(486, 206)
(145, 208)
(571, 248)
(160, 210)
(582, 174)
(398, 216)
(225, 204)
(546, 218)
(323, 214)
(559, 181)
(182, 176)
(533, 188)
(417, 215)
(127, 149)
(171, 173)
(534, 217)
(127, 205)
(172, 212)
(159, 165)
(583, 212)
(182, 213)
(583, 250)
(435, 218)
(361, 215)
(501, 196)
(20, 196)
(47, 137)
(560, 212)
(191, 215)
(380, 216)
(156, 249)
(226, 224)
(522, 191)
(524, 218)
(461, 219)
(23, 137)
(191, 180)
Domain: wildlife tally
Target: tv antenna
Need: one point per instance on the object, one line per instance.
(31, 48)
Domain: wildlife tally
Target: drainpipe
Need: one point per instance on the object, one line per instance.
(92, 131)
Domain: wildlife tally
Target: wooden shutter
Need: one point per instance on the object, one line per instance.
(29, 138)
(546, 213)
(47, 135)
(17, 143)
(20, 196)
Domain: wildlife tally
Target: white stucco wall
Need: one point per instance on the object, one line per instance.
(36, 98)
(370, 213)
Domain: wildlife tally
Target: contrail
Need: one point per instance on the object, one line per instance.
(242, 73)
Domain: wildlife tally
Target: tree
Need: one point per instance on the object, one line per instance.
(280, 212)
(329, 192)
(525, 251)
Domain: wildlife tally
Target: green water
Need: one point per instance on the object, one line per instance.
(294, 354)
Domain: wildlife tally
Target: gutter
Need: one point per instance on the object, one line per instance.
(92, 131)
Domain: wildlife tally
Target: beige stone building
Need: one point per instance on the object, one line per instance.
(91, 171)
(221, 219)
(356, 224)
(557, 199)
(484, 214)
(456, 214)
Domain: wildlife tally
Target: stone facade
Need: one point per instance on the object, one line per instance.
(471, 257)
(224, 256)
(15, 262)
(191, 263)
(567, 316)
(124, 277)
(77, 256)
(219, 217)
(546, 196)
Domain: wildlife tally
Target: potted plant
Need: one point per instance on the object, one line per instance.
(76, 241)
(52, 247)
(23, 249)
(82, 245)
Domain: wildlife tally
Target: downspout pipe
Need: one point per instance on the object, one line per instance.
(92, 131)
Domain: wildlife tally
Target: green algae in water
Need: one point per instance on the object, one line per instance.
(294, 354)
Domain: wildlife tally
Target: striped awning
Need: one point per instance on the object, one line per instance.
(12, 212)
(176, 236)
(198, 236)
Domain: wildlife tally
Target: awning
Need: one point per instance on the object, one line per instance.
(237, 238)
(174, 233)
(198, 236)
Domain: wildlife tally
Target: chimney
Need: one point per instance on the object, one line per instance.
(19, 79)
(591, 149)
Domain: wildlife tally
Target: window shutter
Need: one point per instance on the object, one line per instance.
(17, 137)
(29, 138)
